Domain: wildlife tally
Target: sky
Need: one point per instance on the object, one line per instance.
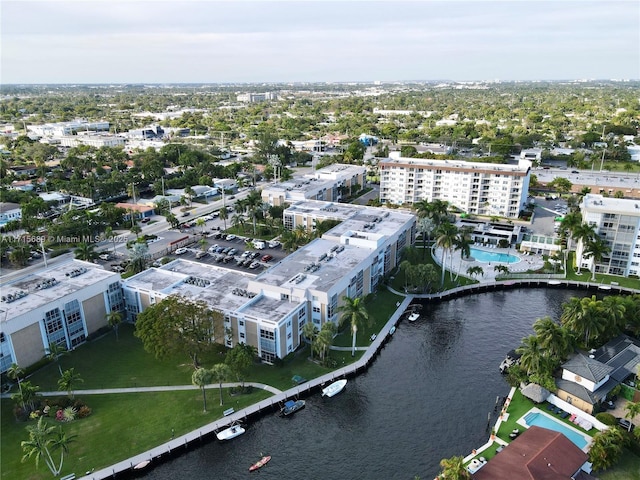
(211, 41)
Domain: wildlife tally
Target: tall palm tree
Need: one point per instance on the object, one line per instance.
(27, 395)
(606, 448)
(15, 372)
(584, 317)
(533, 355)
(223, 214)
(68, 380)
(615, 308)
(446, 236)
(201, 377)
(114, 319)
(354, 311)
(633, 410)
(595, 249)
(54, 352)
(583, 233)
(43, 441)
(109, 234)
(463, 243)
(324, 339)
(254, 205)
(569, 224)
(310, 332)
(553, 337)
(220, 372)
(201, 222)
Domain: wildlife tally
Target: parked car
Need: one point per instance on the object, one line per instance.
(233, 251)
(254, 265)
(201, 254)
(213, 248)
(102, 256)
(608, 404)
(266, 258)
(145, 220)
(626, 424)
(231, 237)
(180, 251)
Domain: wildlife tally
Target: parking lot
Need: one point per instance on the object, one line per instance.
(231, 253)
(546, 213)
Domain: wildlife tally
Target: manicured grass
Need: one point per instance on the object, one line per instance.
(585, 276)
(120, 426)
(381, 306)
(627, 469)
(517, 408)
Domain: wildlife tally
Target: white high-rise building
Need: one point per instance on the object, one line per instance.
(473, 187)
(617, 222)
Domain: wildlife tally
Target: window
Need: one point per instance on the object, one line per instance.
(54, 327)
(289, 336)
(241, 323)
(317, 309)
(241, 336)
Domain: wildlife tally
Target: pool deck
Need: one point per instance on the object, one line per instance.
(526, 262)
(587, 437)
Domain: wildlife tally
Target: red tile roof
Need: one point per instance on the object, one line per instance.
(537, 454)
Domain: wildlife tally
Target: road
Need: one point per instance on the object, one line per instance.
(589, 177)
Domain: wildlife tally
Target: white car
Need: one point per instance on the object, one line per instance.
(180, 251)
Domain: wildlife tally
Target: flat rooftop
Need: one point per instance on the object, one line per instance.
(47, 285)
(334, 261)
(269, 309)
(600, 203)
(521, 167)
(221, 288)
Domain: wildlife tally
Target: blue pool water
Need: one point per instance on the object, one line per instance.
(543, 421)
(486, 257)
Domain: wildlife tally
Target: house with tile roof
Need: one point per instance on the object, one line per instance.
(537, 454)
(587, 378)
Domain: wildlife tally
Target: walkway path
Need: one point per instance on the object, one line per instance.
(166, 388)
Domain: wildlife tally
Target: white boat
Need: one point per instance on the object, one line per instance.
(392, 330)
(414, 316)
(232, 432)
(334, 389)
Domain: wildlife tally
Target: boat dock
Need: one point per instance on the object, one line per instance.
(273, 404)
(270, 405)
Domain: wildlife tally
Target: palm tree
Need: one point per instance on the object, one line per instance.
(201, 222)
(43, 441)
(453, 469)
(446, 236)
(614, 307)
(54, 352)
(201, 377)
(237, 221)
(583, 233)
(633, 410)
(220, 372)
(114, 319)
(532, 354)
(584, 317)
(475, 270)
(606, 448)
(503, 269)
(569, 224)
(324, 339)
(310, 331)
(253, 202)
(15, 372)
(595, 249)
(109, 234)
(223, 214)
(68, 380)
(27, 394)
(354, 311)
(553, 337)
(86, 252)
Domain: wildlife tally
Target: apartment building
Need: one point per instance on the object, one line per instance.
(268, 310)
(473, 187)
(617, 222)
(63, 304)
(328, 184)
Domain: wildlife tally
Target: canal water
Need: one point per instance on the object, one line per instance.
(427, 396)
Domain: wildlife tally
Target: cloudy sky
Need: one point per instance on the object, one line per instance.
(210, 41)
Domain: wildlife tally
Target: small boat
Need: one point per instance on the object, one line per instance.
(232, 432)
(414, 316)
(334, 389)
(392, 330)
(260, 463)
(373, 336)
(291, 407)
(142, 464)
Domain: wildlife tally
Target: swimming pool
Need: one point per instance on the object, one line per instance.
(487, 257)
(544, 421)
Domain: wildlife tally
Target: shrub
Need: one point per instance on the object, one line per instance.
(606, 418)
(66, 415)
(58, 252)
(84, 412)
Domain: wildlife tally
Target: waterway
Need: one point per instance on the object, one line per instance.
(426, 397)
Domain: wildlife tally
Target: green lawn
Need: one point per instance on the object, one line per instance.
(119, 427)
(585, 276)
(627, 469)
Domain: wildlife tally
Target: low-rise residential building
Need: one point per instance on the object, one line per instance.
(617, 222)
(63, 304)
(93, 140)
(268, 310)
(66, 128)
(473, 187)
(327, 184)
(9, 212)
(587, 378)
